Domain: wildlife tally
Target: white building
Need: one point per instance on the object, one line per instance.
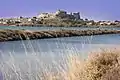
(46, 15)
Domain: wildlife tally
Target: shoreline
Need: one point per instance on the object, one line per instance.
(15, 35)
(80, 26)
(64, 26)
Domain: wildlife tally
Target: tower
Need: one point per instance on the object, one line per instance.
(76, 15)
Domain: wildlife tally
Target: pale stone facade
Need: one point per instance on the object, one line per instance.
(46, 15)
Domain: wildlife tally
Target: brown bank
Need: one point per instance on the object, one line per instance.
(14, 35)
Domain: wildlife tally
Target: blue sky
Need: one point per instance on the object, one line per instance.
(92, 9)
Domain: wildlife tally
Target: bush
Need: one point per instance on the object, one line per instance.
(101, 66)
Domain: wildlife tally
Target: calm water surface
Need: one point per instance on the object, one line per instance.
(60, 46)
(52, 28)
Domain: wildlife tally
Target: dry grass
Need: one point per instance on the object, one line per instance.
(98, 66)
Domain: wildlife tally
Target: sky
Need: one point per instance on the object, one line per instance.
(91, 9)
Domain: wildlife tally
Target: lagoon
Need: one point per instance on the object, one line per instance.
(56, 46)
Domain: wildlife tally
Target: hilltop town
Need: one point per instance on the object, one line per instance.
(59, 18)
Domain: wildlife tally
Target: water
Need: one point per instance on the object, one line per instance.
(59, 46)
(53, 28)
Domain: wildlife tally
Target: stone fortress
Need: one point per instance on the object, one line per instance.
(60, 14)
